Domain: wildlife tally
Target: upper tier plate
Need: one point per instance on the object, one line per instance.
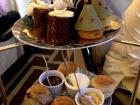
(19, 26)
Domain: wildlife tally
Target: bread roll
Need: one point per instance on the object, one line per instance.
(71, 66)
(63, 100)
(37, 94)
(103, 82)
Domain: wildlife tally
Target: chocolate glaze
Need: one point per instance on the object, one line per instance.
(40, 23)
(58, 32)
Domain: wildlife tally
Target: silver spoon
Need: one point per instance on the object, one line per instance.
(47, 70)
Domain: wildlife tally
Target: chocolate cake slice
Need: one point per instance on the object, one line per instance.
(58, 31)
(40, 23)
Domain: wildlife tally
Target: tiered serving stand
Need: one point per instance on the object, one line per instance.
(25, 40)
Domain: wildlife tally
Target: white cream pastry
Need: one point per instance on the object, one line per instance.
(59, 5)
(70, 3)
(38, 4)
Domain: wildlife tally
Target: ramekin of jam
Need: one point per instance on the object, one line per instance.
(55, 83)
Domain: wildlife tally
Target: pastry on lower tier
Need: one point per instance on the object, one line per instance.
(71, 66)
(63, 100)
(88, 24)
(104, 83)
(37, 94)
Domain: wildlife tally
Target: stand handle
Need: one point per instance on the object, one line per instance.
(127, 42)
(2, 89)
(11, 46)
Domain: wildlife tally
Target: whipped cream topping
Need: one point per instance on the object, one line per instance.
(59, 5)
(83, 80)
(69, 3)
(39, 4)
(61, 13)
(46, 1)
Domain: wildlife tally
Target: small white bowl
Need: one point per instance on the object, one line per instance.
(83, 82)
(55, 90)
(89, 90)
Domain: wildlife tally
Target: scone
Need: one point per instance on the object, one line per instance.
(63, 100)
(104, 83)
(71, 66)
(37, 94)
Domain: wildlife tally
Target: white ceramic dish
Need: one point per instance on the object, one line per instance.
(89, 90)
(83, 82)
(55, 90)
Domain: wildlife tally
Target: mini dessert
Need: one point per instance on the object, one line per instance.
(71, 83)
(63, 100)
(104, 83)
(104, 13)
(38, 10)
(38, 4)
(37, 95)
(88, 24)
(59, 24)
(40, 23)
(71, 66)
(59, 27)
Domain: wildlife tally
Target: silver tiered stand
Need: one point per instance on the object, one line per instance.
(25, 40)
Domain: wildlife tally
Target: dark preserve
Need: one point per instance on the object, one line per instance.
(54, 80)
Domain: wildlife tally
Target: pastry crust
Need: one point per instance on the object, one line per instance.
(96, 34)
(106, 23)
(103, 82)
(37, 94)
(71, 66)
(63, 100)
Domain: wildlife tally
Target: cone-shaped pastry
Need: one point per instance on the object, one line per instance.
(103, 11)
(88, 24)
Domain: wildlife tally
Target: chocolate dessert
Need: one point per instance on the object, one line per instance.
(40, 23)
(59, 23)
